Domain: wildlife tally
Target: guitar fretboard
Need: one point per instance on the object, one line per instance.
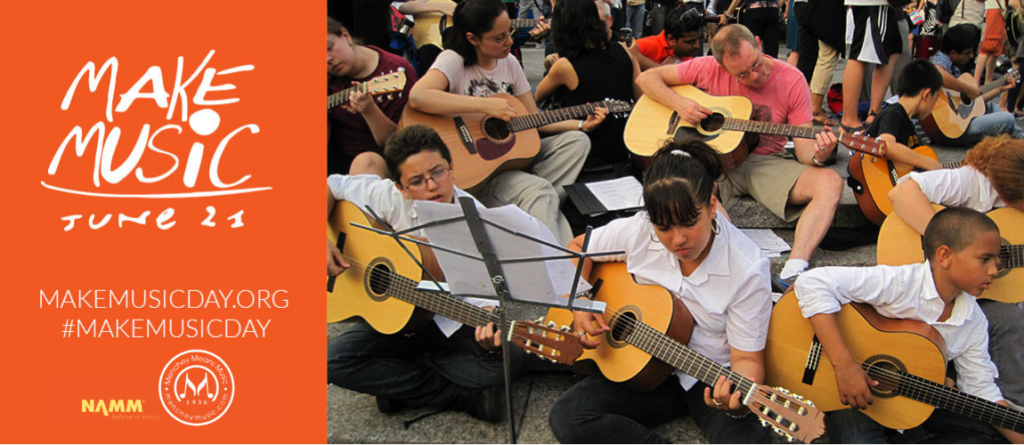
(524, 23)
(341, 97)
(440, 303)
(934, 394)
(952, 165)
(768, 128)
(683, 358)
(549, 117)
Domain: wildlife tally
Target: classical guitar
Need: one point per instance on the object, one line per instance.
(728, 129)
(898, 244)
(953, 111)
(907, 358)
(377, 289)
(873, 177)
(647, 341)
(391, 83)
(429, 28)
(482, 146)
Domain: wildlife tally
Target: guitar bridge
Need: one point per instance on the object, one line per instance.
(464, 136)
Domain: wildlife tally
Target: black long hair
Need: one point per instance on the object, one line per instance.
(680, 182)
(576, 28)
(474, 16)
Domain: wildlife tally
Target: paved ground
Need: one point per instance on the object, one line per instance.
(353, 417)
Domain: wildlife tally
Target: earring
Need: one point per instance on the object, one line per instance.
(715, 227)
(654, 238)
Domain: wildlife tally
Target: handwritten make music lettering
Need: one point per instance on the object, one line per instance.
(155, 179)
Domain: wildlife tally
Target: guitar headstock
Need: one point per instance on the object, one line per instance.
(615, 107)
(788, 414)
(389, 84)
(870, 145)
(553, 344)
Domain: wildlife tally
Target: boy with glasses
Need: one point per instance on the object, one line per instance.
(446, 364)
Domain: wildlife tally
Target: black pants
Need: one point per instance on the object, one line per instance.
(763, 23)
(808, 44)
(599, 411)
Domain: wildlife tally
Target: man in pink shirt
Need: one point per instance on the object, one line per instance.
(789, 186)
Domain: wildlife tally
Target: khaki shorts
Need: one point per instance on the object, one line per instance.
(768, 179)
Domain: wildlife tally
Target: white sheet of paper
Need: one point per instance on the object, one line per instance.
(540, 281)
(768, 241)
(618, 194)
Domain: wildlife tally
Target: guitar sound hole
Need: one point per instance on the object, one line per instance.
(887, 372)
(379, 279)
(623, 326)
(497, 129)
(712, 123)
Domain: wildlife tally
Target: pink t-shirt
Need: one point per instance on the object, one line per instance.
(784, 99)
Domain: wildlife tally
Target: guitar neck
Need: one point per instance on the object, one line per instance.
(341, 97)
(994, 84)
(951, 399)
(550, 117)
(441, 303)
(952, 165)
(683, 358)
(768, 128)
(524, 23)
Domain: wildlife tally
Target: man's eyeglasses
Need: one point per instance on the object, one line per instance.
(419, 183)
(754, 67)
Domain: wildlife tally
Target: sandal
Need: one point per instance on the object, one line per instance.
(822, 119)
(871, 118)
(852, 130)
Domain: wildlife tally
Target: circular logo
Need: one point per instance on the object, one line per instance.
(196, 387)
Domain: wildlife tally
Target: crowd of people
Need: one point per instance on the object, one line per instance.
(683, 239)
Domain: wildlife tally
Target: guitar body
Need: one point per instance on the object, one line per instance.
(430, 27)
(898, 244)
(873, 177)
(794, 359)
(481, 146)
(651, 124)
(952, 115)
(627, 302)
(360, 292)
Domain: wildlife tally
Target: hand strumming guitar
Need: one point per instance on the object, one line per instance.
(590, 324)
(498, 108)
(854, 385)
(336, 264)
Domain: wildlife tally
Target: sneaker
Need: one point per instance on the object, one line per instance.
(390, 406)
(484, 404)
(783, 286)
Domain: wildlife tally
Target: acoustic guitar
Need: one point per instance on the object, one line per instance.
(390, 83)
(429, 27)
(482, 146)
(873, 177)
(907, 358)
(953, 111)
(898, 244)
(647, 341)
(728, 129)
(376, 288)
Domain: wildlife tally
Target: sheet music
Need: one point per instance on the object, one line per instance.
(768, 241)
(542, 282)
(618, 194)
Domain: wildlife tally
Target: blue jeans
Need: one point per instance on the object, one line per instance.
(1005, 337)
(635, 20)
(597, 410)
(992, 123)
(853, 426)
(421, 368)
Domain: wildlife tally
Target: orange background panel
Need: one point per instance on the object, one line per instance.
(279, 378)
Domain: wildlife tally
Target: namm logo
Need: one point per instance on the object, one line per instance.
(111, 406)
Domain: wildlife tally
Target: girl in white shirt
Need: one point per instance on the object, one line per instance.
(682, 243)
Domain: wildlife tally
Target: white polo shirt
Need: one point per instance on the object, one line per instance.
(729, 294)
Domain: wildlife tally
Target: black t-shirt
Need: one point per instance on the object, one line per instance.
(894, 120)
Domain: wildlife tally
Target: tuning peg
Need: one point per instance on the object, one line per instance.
(399, 94)
(390, 97)
(380, 99)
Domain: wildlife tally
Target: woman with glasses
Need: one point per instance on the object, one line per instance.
(684, 243)
(476, 65)
(444, 365)
(592, 68)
